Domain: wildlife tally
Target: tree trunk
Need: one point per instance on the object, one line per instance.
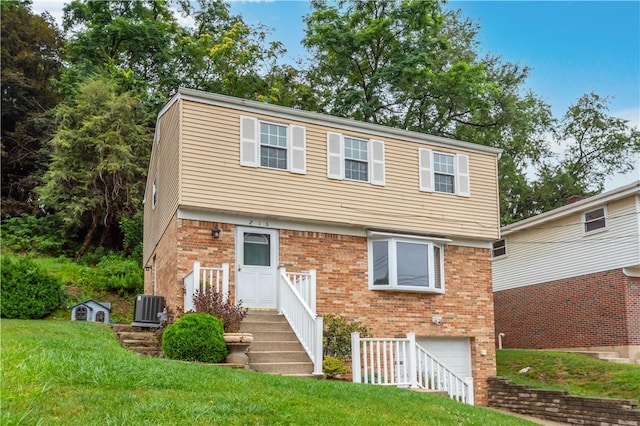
(89, 237)
(105, 235)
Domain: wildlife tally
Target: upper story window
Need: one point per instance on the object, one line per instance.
(154, 192)
(445, 173)
(355, 159)
(499, 248)
(272, 145)
(595, 220)
(405, 264)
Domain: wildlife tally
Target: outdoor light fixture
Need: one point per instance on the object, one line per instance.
(216, 233)
(147, 268)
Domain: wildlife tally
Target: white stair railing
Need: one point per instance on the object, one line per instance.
(402, 362)
(301, 316)
(204, 278)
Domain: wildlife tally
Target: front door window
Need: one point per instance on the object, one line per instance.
(257, 249)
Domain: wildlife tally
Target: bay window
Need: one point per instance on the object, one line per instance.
(405, 263)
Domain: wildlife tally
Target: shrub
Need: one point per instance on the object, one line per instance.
(117, 274)
(30, 234)
(28, 291)
(212, 302)
(195, 336)
(132, 241)
(336, 340)
(332, 366)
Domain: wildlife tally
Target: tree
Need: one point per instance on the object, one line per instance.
(30, 58)
(99, 157)
(595, 146)
(412, 65)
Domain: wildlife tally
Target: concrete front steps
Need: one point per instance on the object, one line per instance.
(606, 356)
(142, 340)
(275, 348)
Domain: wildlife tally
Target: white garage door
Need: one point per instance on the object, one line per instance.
(453, 353)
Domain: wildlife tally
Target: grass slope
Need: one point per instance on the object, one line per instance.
(63, 372)
(578, 374)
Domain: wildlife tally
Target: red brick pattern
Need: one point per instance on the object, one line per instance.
(341, 263)
(342, 279)
(601, 309)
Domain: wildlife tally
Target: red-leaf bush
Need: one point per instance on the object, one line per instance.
(214, 303)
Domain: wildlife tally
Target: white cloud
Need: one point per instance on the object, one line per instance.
(54, 7)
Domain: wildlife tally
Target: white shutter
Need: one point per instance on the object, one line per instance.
(426, 170)
(297, 148)
(462, 175)
(376, 163)
(249, 142)
(335, 158)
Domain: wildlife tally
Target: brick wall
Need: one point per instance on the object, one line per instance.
(165, 255)
(559, 406)
(466, 307)
(341, 263)
(598, 309)
(633, 310)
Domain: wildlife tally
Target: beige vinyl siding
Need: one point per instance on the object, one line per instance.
(212, 178)
(165, 166)
(559, 249)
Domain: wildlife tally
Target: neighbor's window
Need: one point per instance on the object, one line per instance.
(356, 159)
(595, 220)
(499, 248)
(400, 263)
(273, 146)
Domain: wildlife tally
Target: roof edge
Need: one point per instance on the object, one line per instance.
(578, 206)
(319, 118)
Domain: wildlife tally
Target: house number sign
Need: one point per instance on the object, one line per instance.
(258, 223)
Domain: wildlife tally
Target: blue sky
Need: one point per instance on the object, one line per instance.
(572, 47)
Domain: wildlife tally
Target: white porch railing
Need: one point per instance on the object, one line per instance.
(298, 310)
(305, 283)
(203, 278)
(402, 362)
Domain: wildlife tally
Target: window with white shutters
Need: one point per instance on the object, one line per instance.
(443, 172)
(272, 145)
(351, 158)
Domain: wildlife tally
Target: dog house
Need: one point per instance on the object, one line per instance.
(91, 310)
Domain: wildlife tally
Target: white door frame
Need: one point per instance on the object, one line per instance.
(247, 289)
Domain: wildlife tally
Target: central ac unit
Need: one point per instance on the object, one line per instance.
(147, 310)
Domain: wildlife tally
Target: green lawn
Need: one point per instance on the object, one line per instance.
(578, 374)
(72, 373)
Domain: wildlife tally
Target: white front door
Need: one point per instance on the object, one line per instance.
(257, 267)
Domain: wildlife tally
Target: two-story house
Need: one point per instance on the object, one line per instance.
(397, 225)
(570, 278)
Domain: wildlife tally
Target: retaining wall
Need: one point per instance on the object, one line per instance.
(559, 406)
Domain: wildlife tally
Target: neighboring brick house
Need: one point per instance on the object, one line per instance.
(570, 278)
(398, 225)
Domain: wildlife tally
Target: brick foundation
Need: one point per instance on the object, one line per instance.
(342, 287)
(595, 310)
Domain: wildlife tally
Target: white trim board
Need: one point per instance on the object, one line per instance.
(275, 223)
